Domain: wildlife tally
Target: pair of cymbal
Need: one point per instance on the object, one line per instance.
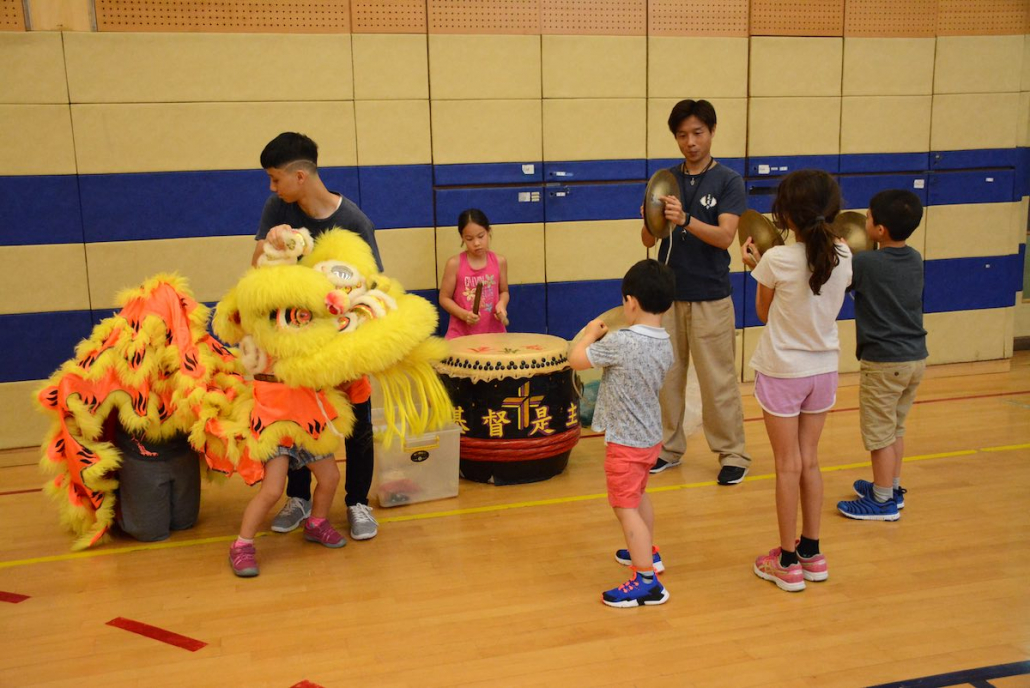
(849, 226)
(662, 183)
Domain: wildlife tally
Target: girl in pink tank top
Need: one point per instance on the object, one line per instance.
(477, 265)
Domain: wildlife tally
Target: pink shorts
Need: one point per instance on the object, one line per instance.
(626, 470)
(789, 396)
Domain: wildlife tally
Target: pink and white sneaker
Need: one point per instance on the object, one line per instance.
(324, 534)
(813, 568)
(791, 578)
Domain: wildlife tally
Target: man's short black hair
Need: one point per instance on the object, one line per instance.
(899, 210)
(686, 109)
(289, 147)
(653, 284)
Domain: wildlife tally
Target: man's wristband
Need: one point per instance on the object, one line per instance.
(686, 221)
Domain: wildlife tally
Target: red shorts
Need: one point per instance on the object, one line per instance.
(626, 470)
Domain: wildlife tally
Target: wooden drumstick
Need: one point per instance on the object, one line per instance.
(479, 296)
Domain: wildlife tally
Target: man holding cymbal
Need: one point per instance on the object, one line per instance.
(701, 322)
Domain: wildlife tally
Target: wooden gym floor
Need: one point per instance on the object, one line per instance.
(500, 586)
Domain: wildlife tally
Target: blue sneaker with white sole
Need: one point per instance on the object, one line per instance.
(622, 556)
(864, 488)
(636, 593)
(868, 509)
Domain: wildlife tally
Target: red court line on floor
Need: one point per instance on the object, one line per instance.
(12, 597)
(157, 633)
(14, 492)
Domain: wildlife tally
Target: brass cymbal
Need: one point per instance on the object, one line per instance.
(850, 226)
(757, 226)
(662, 183)
(614, 318)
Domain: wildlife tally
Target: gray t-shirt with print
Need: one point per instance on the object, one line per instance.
(635, 361)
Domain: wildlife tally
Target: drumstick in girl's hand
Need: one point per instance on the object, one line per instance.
(479, 295)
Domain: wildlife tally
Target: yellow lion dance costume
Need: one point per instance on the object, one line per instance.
(302, 330)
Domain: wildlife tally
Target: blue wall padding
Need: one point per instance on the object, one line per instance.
(780, 165)
(488, 173)
(397, 195)
(502, 205)
(884, 162)
(40, 210)
(964, 284)
(972, 186)
(982, 157)
(594, 170)
(858, 190)
(177, 205)
(571, 305)
(738, 165)
(584, 202)
(35, 344)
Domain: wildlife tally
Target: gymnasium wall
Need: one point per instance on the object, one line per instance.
(130, 134)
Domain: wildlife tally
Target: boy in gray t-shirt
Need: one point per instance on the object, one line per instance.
(635, 361)
(888, 290)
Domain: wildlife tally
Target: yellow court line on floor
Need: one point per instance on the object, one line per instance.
(481, 509)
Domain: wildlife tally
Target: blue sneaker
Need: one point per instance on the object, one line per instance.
(622, 556)
(636, 593)
(868, 509)
(864, 488)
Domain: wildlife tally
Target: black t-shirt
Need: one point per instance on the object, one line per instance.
(888, 290)
(347, 216)
(702, 270)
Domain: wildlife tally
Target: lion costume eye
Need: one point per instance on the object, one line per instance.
(342, 272)
(290, 317)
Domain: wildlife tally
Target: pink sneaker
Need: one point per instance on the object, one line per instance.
(324, 534)
(243, 560)
(813, 568)
(791, 579)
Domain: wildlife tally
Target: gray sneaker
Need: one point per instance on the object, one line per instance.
(362, 525)
(291, 515)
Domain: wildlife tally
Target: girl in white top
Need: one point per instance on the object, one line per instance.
(800, 292)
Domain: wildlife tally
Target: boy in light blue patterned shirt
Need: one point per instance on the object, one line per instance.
(635, 361)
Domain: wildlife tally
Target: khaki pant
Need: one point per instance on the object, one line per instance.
(886, 392)
(706, 331)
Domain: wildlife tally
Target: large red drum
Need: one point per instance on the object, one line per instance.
(516, 403)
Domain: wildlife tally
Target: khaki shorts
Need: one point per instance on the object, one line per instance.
(885, 395)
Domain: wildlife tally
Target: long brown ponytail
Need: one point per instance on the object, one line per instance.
(809, 200)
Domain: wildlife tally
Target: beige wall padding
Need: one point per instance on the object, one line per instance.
(378, 74)
(594, 66)
(794, 126)
(43, 278)
(33, 68)
(393, 132)
(970, 121)
(782, 66)
(962, 336)
(1001, 228)
(521, 244)
(36, 139)
(888, 66)
(21, 425)
(482, 131)
(730, 140)
(717, 67)
(978, 64)
(178, 67)
(204, 136)
(406, 253)
(594, 129)
(484, 67)
(211, 264)
(887, 124)
(592, 250)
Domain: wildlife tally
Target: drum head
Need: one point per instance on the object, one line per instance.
(759, 228)
(662, 183)
(850, 226)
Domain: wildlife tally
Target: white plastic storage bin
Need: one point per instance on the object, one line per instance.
(416, 469)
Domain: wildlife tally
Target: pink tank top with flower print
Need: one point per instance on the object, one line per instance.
(465, 295)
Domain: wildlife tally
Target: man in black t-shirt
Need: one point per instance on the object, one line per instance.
(301, 199)
(701, 321)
